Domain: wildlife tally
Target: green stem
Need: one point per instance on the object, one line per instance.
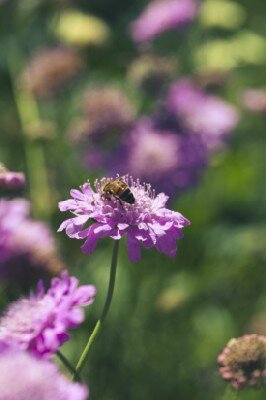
(109, 296)
(229, 393)
(66, 363)
(28, 113)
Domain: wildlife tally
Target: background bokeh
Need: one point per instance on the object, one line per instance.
(169, 318)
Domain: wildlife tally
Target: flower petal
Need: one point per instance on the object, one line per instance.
(133, 247)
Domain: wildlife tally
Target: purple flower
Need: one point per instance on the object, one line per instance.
(41, 322)
(167, 160)
(107, 113)
(200, 113)
(21, 254)
(147, 220)
(25, 377)
(163, 15)
(11, 180)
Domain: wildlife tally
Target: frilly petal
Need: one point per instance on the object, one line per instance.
(133, 247)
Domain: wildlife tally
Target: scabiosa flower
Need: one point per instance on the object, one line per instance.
(108, 112)
(254, 100)
(151, 73)
(243, 361)
(24, 255)
(197, 112)
(41, 322)
(26, 377)
(11, 180)
(161, 16)
(50, 70)
(147, 220)
(168, 161)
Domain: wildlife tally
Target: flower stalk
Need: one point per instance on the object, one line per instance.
(67, 363)
(28, 113)
(85, 354)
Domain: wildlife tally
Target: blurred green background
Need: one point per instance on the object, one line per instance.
(169, 318)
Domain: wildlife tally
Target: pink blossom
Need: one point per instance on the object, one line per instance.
(11, 180)
(163, 15)
(41, 322)
(168, 160)
(25, 377)
(23, 254)
(198, 112)
(147, 221)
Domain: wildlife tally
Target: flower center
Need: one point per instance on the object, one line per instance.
(143, 194)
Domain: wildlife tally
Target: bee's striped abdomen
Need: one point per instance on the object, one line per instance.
(127, 196)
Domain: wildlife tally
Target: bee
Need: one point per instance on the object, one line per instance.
(118, 189)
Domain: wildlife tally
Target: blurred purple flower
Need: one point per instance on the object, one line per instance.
(254, 100)
(170, 162)
(41, 322)
(26, 245)
(25, 377)
(197, 112)
(107, 113)
(11, 180)
(163, 15)
(147, 220)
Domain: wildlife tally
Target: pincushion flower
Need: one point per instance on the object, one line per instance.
(50, 70)
(200, 113)
(25, 377)
(161, 16)
(22, 256)
(167, 160)
(147, 221)
(11, 180)
(107, 112)
(243, 361)
(41, 322)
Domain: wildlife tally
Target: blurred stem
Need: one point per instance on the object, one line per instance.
(109, 296)
(28, 113)
(66, 363)
(230, 394)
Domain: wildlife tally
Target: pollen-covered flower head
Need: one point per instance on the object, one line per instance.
(243, 361)
(147, 221)
(161, 16)
(41, 322)
(25, 377)
(200, 113)
(169, 161)
(11, 180)
(50, 70)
